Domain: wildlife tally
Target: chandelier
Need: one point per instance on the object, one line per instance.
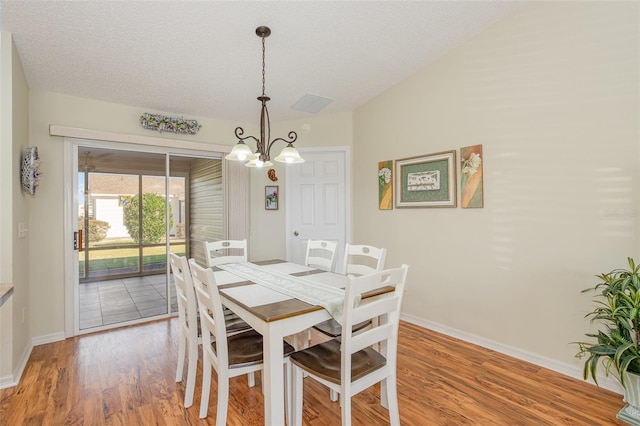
(261, 157)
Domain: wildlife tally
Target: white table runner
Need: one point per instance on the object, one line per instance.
(287, 268)
(255, 295)
(327, 296)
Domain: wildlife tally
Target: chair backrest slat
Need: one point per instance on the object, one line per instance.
(321, 254)
(185, 294)
(225, 251)
(373, 309)
(211, 313)
(372, 336)
(363, 259)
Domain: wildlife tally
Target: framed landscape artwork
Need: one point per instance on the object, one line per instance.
(426, 181)
(471, 182)
(385, 185)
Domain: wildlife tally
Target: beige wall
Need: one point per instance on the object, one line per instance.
(14, 251)
(552, 95)
(6, 200)
(6, 157)
(21, 209)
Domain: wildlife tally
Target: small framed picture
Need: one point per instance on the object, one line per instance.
(426, 181)
(471, 166)
(385, 185)
(271, 197)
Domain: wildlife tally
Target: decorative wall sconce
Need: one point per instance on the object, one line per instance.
(30, 170)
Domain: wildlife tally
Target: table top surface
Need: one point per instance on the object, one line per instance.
(277, 310)
(289, 307)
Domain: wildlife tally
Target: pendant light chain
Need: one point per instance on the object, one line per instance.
(263, 73)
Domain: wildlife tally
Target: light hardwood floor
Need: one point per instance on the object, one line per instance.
(127, 377)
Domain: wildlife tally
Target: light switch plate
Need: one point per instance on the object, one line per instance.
(22, 230)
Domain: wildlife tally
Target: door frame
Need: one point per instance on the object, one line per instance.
(345, 151)
(73, 138)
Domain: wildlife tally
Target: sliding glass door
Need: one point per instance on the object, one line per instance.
(133, 207)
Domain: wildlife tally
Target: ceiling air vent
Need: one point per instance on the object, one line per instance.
(311, 103)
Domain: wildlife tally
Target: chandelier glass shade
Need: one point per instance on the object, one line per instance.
(262, 157)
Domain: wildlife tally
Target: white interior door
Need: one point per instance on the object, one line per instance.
(317, 201)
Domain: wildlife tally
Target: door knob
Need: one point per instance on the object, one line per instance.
(295, 233)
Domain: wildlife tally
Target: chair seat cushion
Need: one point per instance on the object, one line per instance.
(332, 328)
(246, 348)
(323, 360)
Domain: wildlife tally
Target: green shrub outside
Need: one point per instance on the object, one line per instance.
(97, 229)
(153, 218)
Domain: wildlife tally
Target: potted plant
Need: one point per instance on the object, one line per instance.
(617, 310)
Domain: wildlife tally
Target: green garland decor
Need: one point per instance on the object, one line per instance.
(162, 123)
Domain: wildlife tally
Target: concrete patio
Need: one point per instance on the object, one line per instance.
(120, 300)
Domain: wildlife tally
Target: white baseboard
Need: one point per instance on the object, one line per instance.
(7, 381)
(13, 379)
(49, 338)
(573, 371)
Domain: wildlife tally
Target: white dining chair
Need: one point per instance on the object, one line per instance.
(321, 254)
(225, 251)
(190, 332)
(349, 364)
(358, 260)
(229, 356)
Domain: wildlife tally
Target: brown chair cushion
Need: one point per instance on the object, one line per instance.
(332, 328)
(246, 348)
(323, 360)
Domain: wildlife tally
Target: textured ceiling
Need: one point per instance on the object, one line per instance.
(202, 58)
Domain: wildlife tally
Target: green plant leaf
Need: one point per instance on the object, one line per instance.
(617, 312)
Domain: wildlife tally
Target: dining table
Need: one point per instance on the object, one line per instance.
(278, 299)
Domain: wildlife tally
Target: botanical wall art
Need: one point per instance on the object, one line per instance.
(426, 181)
(471, 185)
(271, 197)
(162, 123)
(385, 185)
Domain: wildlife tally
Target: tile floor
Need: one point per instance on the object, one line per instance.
(127, 299)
